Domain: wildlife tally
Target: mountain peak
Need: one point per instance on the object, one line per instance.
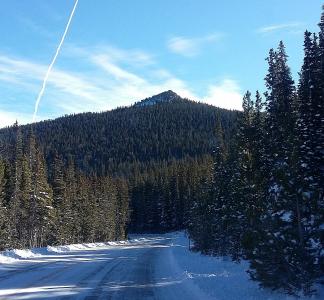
(169, 94)
(164, 97)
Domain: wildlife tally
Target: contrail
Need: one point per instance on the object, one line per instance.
(53, 61)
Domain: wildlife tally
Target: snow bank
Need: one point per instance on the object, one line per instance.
(6, 259)
(11, 256)
(85, 246)
(220, 278)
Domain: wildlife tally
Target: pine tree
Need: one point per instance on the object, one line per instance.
(319, 140)
(106, 197)
(4, 220)
(244, 192)
(110, 203)
(258, 143)
(42, 210)
(279, 258)
(86, 209)
(71, 194)
(218, 208)
(123, 208)
(27, 204)
(310, 156)
(61, 203)
(15, 213)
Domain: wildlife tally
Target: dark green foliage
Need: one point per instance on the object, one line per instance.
(268, 205)
(110, 143)
(69, 209)
(281, 233)
(161, 196)
(150, 146)
(150, 150)
(4, 220)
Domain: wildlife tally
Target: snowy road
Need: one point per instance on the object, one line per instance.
(146, 267)
(142, 269)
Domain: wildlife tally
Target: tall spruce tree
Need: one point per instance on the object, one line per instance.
(308, 145)
(217, 207)
(318, 140)
(123, 208)
(280, 256)
(61, 203)
(16, 226)
(71, 194)
(42, 211)
(4, 218)
(249, 145)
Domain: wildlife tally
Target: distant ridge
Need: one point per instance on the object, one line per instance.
(165, 97)
(164, 127)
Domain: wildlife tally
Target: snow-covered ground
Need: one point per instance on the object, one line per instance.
(145, 267)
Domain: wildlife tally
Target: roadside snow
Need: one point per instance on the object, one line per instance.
(220, 278)
(14, 255)
(10, 256)
(6, 259)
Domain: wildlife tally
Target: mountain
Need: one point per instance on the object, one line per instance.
(110, 142)
(165, 97)
(134, 168)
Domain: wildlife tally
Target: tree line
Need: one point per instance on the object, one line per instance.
(161, 195)
(40, 207)
(265, 200)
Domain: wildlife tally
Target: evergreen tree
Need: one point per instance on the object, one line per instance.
(71, 194)
(86, 210)
(61, 203)
(123, 209)
(16, 226)
(107, 199)
(42, 212)
(4, 220)
(279, 258)
(319, 140)
(217, 209)
(310, 157)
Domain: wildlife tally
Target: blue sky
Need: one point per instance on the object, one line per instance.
(121, 51)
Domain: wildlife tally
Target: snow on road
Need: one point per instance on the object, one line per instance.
(146, 267)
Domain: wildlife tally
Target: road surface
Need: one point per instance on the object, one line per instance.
(142, 269)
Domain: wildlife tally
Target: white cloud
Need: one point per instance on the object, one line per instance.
(110, 81)
(226, 94)
(104, 62)
(276, 27)
(109, 78)
(190, 47)
(63, 85)
(135, 57)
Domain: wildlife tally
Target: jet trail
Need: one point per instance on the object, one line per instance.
(53, 61)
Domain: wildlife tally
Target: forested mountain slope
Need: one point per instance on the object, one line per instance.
(103, 143)
(141, 164)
